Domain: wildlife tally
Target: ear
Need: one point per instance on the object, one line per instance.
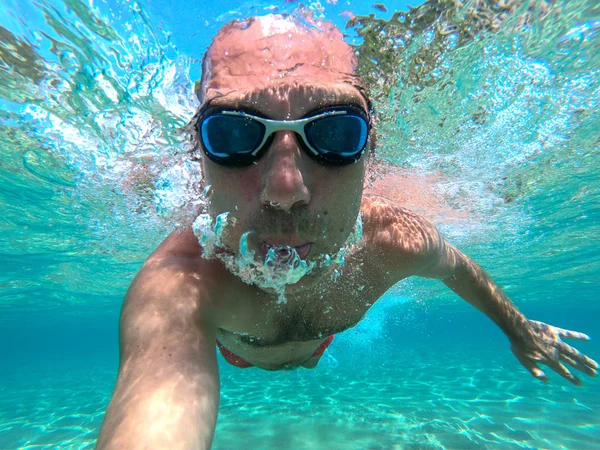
(199, 91)
(372, 143)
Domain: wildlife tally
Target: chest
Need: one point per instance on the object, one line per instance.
(329, 309)
(317, 318)
(334, 303)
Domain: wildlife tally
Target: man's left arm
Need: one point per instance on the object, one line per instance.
(532, 342)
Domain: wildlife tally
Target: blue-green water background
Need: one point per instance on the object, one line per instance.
(91, 176)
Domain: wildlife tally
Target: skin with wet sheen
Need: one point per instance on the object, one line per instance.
(180, 303)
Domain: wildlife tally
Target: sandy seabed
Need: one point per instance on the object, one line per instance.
(411, 400)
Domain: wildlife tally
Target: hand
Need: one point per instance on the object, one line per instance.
(542, 344)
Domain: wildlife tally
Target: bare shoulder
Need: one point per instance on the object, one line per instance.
(176, 264)
(180, 243)
(174, 279)
(400, 234)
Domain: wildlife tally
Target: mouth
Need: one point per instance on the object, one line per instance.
(301, 249)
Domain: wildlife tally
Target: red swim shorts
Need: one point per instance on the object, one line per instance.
(238, 361)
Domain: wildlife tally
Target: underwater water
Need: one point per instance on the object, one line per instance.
(494, 104)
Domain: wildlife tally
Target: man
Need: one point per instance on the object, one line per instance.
(290, 251)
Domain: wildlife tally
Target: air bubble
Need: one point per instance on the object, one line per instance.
(451, 41)
(207, 192)
(282, 265)
(220, 224)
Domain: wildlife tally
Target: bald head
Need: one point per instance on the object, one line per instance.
(274, 49)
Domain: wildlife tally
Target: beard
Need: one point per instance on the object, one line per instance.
(281, 266)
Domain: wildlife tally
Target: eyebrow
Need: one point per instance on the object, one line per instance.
(250, 109)
(245, 102)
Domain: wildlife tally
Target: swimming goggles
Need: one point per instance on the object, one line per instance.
(336, 135)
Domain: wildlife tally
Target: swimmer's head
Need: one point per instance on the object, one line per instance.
(276, 49)
(301, 193)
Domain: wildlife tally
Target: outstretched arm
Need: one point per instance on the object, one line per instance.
(532, 342)
(410, 245)
(167, 392)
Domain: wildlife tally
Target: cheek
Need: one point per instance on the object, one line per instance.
(232, 187)
(248, 184)
(344, 189)
(340, 196)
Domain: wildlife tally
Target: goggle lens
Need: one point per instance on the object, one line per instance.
(342, 136)
(225, 136)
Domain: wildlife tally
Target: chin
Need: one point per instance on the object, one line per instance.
(308, 281)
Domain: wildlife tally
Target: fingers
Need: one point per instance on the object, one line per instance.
(532, 367)
(577, 355)
(568, 334)
(577, 359)
(551, 350)
(562, 332)
(560, 369)
(585, 369)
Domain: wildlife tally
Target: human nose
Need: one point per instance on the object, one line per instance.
(285, 184)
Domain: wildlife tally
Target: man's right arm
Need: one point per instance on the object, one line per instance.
(412, 246)
(167, 391)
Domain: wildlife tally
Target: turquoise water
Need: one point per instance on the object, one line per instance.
(500, 118)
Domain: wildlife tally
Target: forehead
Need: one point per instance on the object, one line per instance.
(272, 57)
(287, 100)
